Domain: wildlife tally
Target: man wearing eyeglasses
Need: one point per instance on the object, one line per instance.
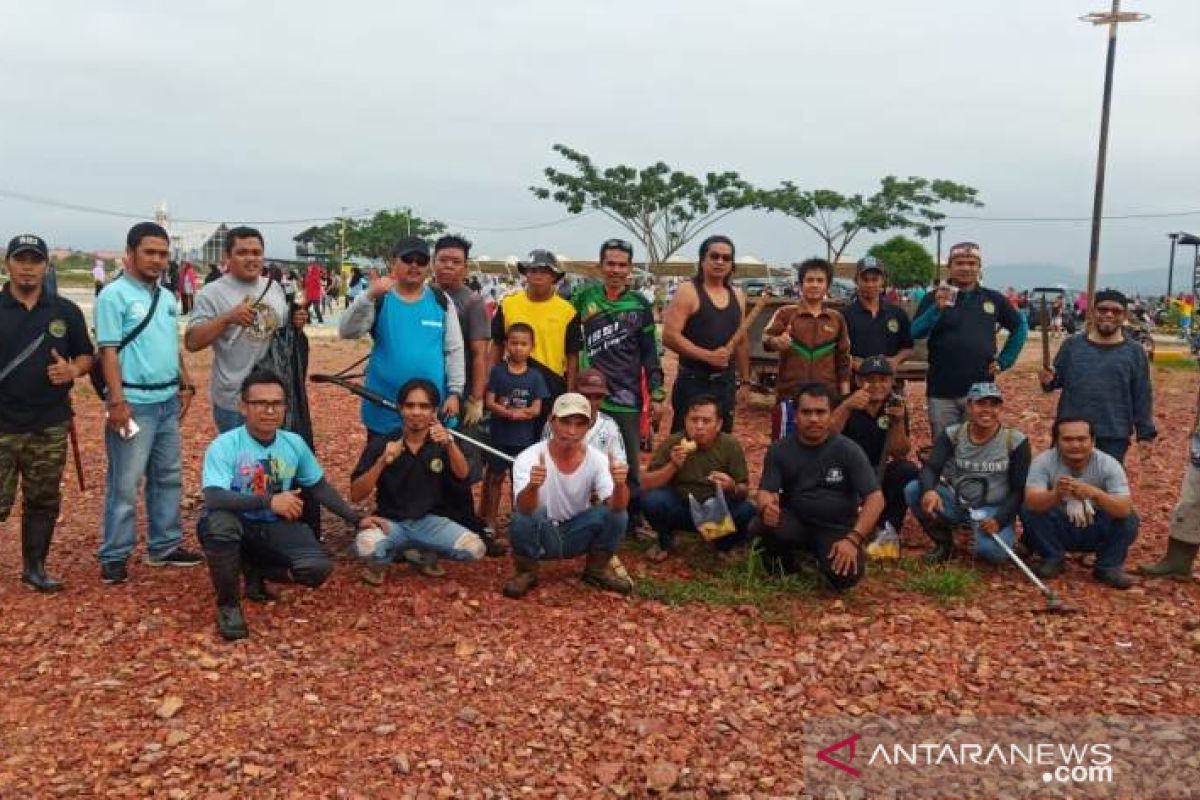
(699, 326)
(416, 335)
(252, 524)
(1105, 378)
(960, 320)
(619, 341)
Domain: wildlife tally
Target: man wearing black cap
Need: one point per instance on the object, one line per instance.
(1105, 378)
(44, 347)
(557, 334)
(416, 335)
(877, 327)
(961, 319)
(876, 419)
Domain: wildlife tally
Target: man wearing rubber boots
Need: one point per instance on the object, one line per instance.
(1184, 534)
(553, 517)
(252, 479)
(1077, 500)
(981, 450)
(44, 347)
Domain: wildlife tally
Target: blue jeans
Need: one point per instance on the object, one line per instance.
(153, 454)
(430, 532)
(667, 512)
(1051, 535)
(227, 420)
(984, 547)
(595, 530)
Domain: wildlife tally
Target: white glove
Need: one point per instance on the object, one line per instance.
(473, 413)
(1081, 512)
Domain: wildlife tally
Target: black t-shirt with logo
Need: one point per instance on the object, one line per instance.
(413, 485)
(824, 483)
(29, 402)
(870, 431)
(882, 334)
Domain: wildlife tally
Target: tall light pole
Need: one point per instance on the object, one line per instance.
(1112, 19)
(1174, 237)
(937, 265)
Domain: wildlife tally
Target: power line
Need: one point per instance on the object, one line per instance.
(1149, 215)
(362, 214)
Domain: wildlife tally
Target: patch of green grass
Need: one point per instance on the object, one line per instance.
(748, 583)
(942, 582)
(1183, 362)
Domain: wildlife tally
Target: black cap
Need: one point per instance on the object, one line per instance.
(410, 246)
(875, 365)
(27, 243)
(1112, 296)
(869, 264)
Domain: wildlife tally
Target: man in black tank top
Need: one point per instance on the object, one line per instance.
(699, 326)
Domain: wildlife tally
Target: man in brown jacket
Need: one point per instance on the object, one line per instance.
(813, 345)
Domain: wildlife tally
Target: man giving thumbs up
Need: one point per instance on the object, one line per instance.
(554, 485)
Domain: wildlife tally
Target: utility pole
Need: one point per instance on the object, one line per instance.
(937, 267)
(1112, 19)
(1174, 237)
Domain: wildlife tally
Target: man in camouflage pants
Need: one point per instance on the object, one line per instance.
(44, 347)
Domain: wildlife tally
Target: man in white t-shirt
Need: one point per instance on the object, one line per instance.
(553, 517)
(1077, 500)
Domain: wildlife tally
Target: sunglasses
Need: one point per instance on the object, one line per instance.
(1112, 311)
(415, 260)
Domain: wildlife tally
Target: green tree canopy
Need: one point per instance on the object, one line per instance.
(907, 262)
(373, 237)
(899, 204)
(662, 208)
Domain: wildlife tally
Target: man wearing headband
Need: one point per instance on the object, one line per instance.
(1105, 378)
(960, 321)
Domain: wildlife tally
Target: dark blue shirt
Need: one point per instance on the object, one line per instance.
(962, 339)
(515, 392)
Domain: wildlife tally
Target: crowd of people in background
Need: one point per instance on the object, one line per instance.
(556, 387)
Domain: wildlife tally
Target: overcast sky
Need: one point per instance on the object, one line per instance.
(278, 110)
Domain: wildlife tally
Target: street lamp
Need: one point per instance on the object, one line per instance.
(937, 265)
(1171, 265)
(1112, 19)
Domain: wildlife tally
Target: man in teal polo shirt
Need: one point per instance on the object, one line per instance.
(148, 393)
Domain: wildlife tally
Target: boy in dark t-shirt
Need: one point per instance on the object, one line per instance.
(515, 394)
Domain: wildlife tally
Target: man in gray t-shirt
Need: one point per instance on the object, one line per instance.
(237, 315)
(1077, 500)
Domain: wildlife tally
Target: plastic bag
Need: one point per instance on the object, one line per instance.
(712, 517)
(886, 546)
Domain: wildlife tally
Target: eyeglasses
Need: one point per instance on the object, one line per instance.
(415, 260)
(273, 406)
(1112, 311)
(720, 257)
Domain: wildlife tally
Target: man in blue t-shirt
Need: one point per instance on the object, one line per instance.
(252, 480)
(148, 393)
(416, 335)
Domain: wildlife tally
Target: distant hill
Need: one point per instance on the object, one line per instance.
(1025, 276)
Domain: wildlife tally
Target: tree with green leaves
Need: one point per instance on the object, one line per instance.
(907, 262)
(662, 208)
(899, 204)
(373, 237)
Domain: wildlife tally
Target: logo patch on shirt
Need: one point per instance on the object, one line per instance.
(833, 475)
(58, 328)
(827, 328)
(893, 326)
(884, 422)
(436, 466)
(989, 307)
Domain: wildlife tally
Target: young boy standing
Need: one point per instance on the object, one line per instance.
(514, 397)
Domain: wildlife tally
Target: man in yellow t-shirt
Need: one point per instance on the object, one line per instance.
(557, 334)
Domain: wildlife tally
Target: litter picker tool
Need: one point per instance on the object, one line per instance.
(970, 494)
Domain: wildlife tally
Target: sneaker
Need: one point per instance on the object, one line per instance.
(179, 557)
(427, 565)
(113, 572)
(1115, 577)
(495, 547)
(1048, 569)
(373, 574)
(657, 554)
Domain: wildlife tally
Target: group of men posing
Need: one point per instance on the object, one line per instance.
(561, 385)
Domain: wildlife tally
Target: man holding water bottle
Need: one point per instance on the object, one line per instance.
(960, 320)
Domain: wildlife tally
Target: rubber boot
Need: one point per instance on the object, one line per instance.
(598, 572)
(224, 568)
(1176, 563)
(36, 532)
(524, 579)
(256, 589)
